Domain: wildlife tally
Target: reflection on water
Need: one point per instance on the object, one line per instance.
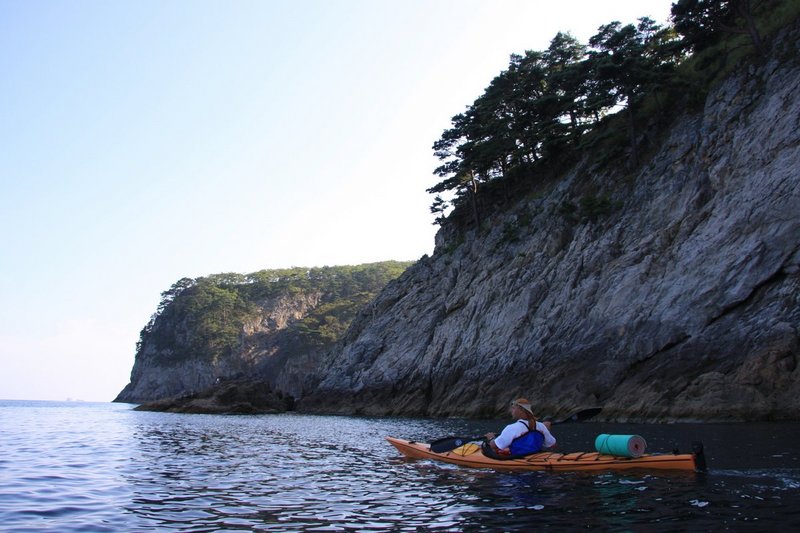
(267, 473)
(103, 467)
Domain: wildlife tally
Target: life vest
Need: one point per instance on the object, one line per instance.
(529, 442)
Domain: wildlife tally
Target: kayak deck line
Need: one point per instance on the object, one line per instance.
(471, 456)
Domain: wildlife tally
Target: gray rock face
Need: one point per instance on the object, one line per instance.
(683, 303)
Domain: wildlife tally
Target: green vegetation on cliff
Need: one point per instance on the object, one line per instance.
(204, 318)
(551, 107)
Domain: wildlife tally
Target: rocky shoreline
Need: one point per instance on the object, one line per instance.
(232, 397)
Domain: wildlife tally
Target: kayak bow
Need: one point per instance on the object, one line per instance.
(470, 455)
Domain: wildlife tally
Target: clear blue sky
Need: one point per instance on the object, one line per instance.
(142, 141)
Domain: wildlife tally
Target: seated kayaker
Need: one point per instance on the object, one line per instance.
(524, 437)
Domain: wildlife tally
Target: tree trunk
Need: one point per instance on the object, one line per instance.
(632, 131)
(473, 194)
(744, 9)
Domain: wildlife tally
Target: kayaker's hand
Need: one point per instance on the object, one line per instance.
(489, 436)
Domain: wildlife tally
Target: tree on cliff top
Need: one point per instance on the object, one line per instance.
(702, 22)
(545, 107)
(544, 101)
(631, 62)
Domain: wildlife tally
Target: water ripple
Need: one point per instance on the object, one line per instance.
(106, 468)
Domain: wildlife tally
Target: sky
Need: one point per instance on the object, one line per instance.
(143, 141)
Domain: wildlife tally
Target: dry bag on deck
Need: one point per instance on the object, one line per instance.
(620, 445)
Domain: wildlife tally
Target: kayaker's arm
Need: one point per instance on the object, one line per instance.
(550, 442)
(490, 441)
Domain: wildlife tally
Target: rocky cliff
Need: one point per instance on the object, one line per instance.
(260, 332)
(665, 291)
(678, 300)
(158, 373)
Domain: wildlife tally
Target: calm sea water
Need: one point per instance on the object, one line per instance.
(103, 467)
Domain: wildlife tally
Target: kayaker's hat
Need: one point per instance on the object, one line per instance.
(524, 404)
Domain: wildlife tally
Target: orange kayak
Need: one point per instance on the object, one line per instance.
(470, 455)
